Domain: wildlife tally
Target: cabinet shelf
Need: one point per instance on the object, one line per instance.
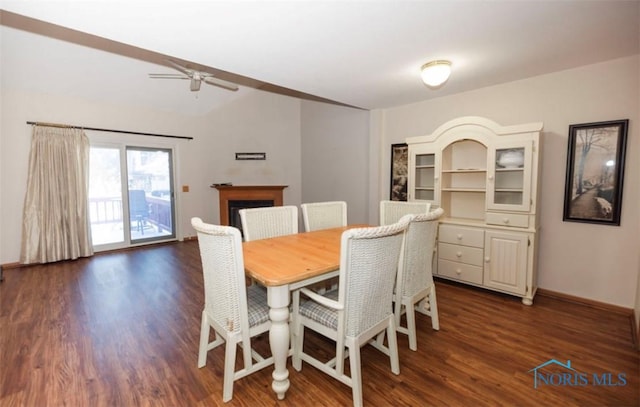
(464, 190)
(425, 166)
(509, 190)
(509, 169)
(464, 171)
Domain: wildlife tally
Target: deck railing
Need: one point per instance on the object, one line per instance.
(109, 210)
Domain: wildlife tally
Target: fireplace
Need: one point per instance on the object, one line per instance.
(234, 198)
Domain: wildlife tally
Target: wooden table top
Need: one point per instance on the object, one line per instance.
(292, 258)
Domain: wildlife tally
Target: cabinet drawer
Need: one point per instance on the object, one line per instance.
(463, 254)
(460, 271)
(508, 219)
(461, 235)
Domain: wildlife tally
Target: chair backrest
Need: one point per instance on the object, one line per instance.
(392, 211)
(324, 215)
(138, 205)
(272, 221)
(368, 262)
(225, 296)
(416, 260)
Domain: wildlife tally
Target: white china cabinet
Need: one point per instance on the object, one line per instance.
(485, 177)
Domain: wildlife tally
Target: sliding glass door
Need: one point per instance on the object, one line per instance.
(131, 198)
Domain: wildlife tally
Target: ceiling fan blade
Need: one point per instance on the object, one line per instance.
(167, 76)
(219, 82)
(186, 71)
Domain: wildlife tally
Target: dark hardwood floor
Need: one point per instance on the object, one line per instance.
(121, 329)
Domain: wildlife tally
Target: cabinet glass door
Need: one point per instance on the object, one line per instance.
(510, 181)
(424, 185)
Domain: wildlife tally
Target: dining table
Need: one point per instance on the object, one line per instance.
(283, 264)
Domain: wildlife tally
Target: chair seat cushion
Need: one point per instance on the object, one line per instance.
(257, 304)
(319, 313)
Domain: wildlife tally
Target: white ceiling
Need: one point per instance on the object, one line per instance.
(360, 53)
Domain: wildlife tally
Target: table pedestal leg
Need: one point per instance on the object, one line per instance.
(278, 298)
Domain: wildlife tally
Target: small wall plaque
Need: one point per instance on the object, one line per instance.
(251, 156)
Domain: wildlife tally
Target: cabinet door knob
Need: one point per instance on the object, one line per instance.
(487, 260)
(459, 236)
(490, 177)
(458, 271)
(505, 220)
(458, 254)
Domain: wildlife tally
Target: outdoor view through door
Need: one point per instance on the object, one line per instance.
(143, 210)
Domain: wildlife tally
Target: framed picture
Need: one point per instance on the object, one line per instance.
(399, 172)
(595, 170)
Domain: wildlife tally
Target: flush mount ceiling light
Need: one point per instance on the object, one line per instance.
(435, 73)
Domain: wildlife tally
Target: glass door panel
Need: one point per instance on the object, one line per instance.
(150, 193)
(105, 196)
(424, 177)
(509, 176)
(509, 189)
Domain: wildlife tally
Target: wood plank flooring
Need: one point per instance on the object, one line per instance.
(121, 329)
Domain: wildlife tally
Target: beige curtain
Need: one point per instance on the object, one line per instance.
(56, 219)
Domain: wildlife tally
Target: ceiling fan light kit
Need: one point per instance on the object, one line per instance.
(195, 84)
(435, 73)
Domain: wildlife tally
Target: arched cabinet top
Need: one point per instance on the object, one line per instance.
(475, 125)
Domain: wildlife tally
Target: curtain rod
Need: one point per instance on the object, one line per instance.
(107, 130)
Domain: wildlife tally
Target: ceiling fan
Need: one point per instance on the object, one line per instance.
(195, 77)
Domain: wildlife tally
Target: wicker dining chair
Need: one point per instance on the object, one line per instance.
(392, 211)
(236, 312)
(358, 310)
(324, 215)
(414, 280)
(272, 221)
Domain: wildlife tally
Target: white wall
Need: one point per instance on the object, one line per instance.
(259, 122)
(637, 248)
(262, 122)
(596, 262)
(636, 309)
(335, 157)
(1, 160)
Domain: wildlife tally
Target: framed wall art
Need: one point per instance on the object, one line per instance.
(595, 170)
(399, 172)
